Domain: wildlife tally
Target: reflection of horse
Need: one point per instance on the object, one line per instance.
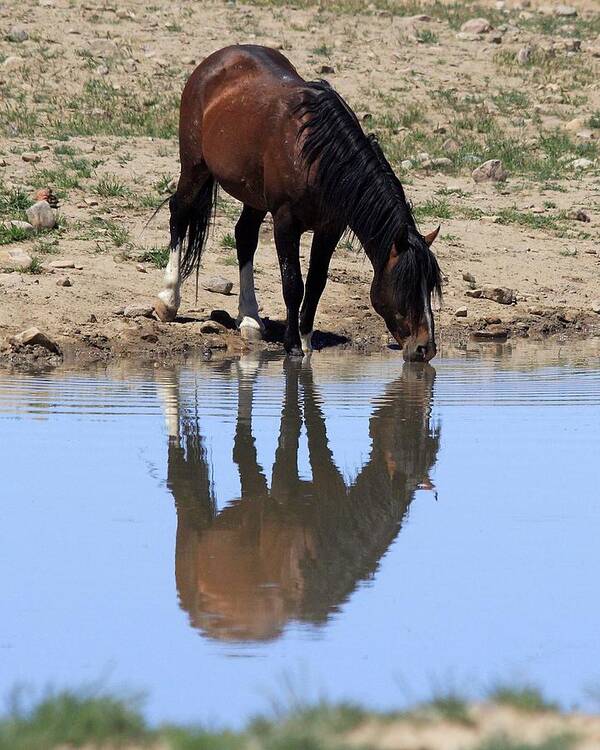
(298, 549)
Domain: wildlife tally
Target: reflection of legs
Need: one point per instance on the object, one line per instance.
(252, 478)
(326, 476)
(246, 240)
(285, 470)
(323, 245)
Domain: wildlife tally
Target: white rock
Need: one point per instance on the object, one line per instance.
(138, 311)
(41, 215)
(103, 48)
(17, 34)
(218, 284)
(12, 62)
(31, 157)
(565, 11)
(34, 337)
(582, 163)
(476, 26)
(461, 312)
(62, 264)
(490, 171)
(16, 260)
(18, 224)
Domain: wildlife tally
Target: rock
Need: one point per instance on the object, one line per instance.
(565, 11)
(491, 333)
(490, 171)
(62, 264)
(224, 318)
(441, 161)
(12, 62)
(141, 268)
(495, 37)
(103, 48)
(535, 310)
(524, 55)
(17, 34)
(138, 311)
(572, 45)
(34, 337)
(476, 26)
(211, 326)
(451, 146)
(24, 225)
(30, 157)
(3, 163)
(461, 312)
(327, 69)
(596, 306)
(102, 70)
(15, 260)
(575, 124)
(475, 293)
(406, 164)
(586, 134)
(41, 215)
(582, 163)
(468, 277)
(501, 295)
(218, 284)
(64, 281)
(579, 214)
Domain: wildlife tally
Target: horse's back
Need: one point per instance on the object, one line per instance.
(237, 103)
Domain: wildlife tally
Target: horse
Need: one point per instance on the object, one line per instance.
(252, 125)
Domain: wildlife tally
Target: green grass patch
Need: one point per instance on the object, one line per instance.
(157, 256)
(523, 697)
(437, 208)
(451, 706)
(111, 187)
(550, 222)
(13, 202)
(228, 242)
(558, 742)
(10, 234)
(73, 720)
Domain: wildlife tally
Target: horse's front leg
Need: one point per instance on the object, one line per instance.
(246, 241)
(323, 245)
(287, 241)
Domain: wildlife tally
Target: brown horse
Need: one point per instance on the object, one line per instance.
(279, 144)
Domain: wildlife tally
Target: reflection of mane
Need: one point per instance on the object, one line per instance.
(298, 549)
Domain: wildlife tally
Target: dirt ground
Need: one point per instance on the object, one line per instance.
(89, 95)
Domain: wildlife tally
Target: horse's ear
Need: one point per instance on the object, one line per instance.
(429, 238)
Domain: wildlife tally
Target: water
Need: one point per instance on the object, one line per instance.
(221, 534)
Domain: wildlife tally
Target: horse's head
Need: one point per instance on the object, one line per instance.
(401, 293)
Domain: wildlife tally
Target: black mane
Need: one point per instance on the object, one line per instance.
(358, 187)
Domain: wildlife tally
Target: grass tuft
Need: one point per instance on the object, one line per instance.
(524, 698)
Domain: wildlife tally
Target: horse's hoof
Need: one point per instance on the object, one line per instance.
(250, 329)
(164, 313)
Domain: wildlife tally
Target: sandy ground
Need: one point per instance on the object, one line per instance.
(92, 93)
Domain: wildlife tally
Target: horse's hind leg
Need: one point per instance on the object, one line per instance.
(323, 245)
(246, 241)
(187, 211)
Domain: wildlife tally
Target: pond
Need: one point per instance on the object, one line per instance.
(227, 535)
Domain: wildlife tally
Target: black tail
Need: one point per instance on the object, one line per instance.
(189, 225)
